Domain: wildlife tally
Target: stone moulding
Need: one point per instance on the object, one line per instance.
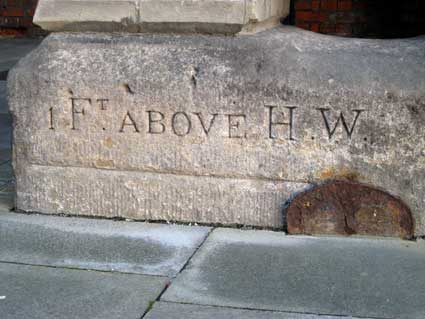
(205, 16)
(214, 129)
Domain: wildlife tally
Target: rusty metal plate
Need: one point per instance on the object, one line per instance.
(348, 208)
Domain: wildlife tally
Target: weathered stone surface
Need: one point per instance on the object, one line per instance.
(359, 277)
(69, 15)
(214, 128)
(347, 208)
(153, 196)
(210, 16)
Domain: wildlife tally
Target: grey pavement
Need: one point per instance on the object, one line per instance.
(152, 249)
(379, 278)
(232, 274)
(52, 293)
(167, 310)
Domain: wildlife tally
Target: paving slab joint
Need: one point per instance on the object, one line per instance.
(158, 299)
(304, 313)
(194, 252)
(81, 269)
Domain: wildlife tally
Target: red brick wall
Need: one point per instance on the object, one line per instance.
(16, 17)
(362, 18)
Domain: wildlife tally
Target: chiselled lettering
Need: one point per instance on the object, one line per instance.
(282, 123)
(185, 124)
(77, 105)
(274, 124)
(341, 119)
(237, 125)
(128, 121)
(206, 128)
(103, 104)
(51, 119)
(156, 125)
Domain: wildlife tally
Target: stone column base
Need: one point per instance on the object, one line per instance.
(168, 16)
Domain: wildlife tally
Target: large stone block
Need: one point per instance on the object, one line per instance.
(213, 128)
(210, 16)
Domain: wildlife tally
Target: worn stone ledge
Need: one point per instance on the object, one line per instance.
(205, 16)
(282, 106)
(153, 196)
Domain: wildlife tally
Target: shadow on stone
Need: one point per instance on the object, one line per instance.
(349, 208)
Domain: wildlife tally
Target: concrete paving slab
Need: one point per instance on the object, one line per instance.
(11, 50)
(379, 278)
(166, 310)
(133, 247)
(51, 293)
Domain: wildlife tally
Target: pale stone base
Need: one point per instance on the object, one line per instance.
(175, 16)
(153, 196)
(214, 129)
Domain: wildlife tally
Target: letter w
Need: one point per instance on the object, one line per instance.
(341, 118)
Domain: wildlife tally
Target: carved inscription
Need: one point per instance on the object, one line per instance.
(128, 121)
(51, 119)
(273, 123)
(77, 108)
(281, 122)
(348, 129)
(206, 128)
(237, 123)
